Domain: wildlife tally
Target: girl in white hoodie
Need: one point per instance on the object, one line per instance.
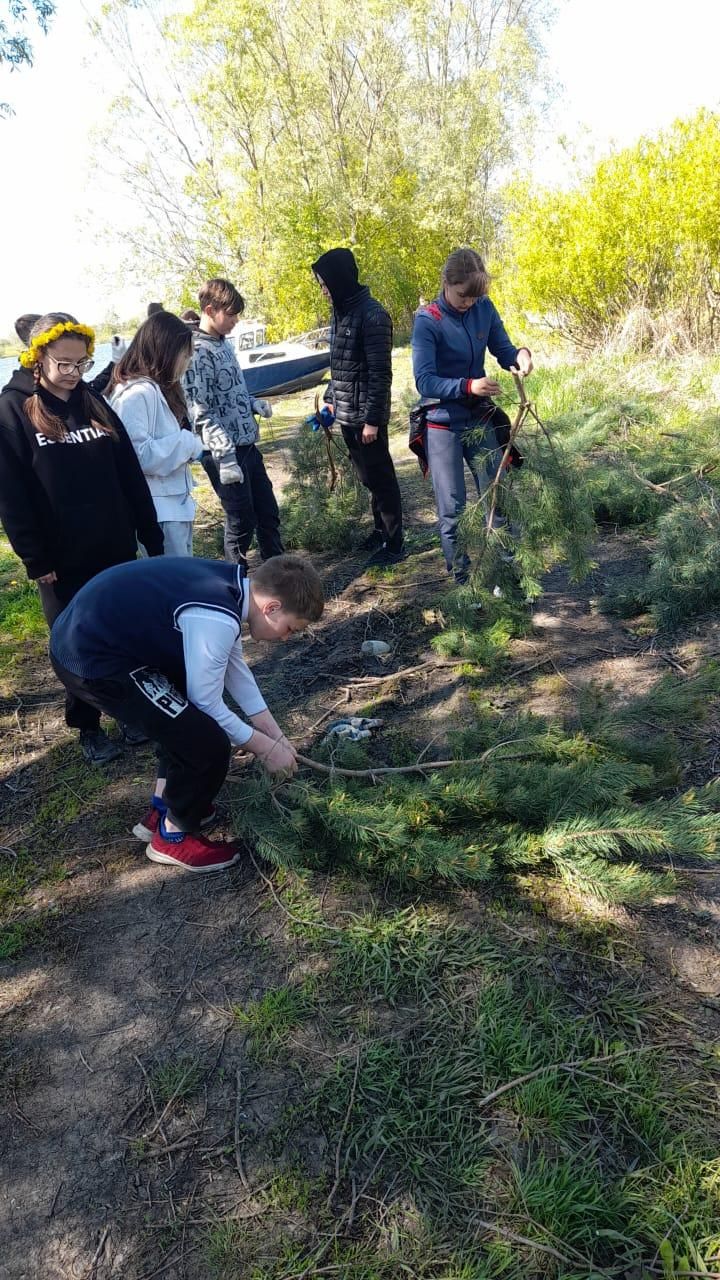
(146, 393)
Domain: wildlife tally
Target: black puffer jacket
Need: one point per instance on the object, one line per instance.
(361, 345)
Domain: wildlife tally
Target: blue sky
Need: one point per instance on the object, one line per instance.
(621, 68)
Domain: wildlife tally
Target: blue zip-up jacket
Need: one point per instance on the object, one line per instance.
(448, 349)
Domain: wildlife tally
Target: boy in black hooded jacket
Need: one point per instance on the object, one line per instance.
(361, 373)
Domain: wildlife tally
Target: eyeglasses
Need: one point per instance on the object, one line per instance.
(65, 367)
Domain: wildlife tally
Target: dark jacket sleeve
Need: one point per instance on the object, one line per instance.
(329, 396)
(135, 488)
(499, 345)
(18, 510)
(378, 339)
(100, 383)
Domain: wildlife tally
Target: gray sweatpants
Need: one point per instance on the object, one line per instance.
(447, 452)
(177, 536)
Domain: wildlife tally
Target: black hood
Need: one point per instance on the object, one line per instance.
(21, 380)
(339, 271)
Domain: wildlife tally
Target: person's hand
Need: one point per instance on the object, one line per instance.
(280, 758)
(369, 434)
(523, 364)
(47, 578)
(484, 387)
(263, 408)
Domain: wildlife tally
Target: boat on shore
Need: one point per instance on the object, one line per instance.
(277, 368)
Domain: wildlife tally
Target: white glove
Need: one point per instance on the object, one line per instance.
(263, 408)
(229, 469)
(118, 348)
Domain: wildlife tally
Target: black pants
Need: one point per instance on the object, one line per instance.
(374, 468)
(53, 598)
(194, 752)
(250, 508)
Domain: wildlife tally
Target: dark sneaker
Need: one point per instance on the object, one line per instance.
(97, 748)
(133, 737)
(374, 541)
(150, 824)
(192, 853)
(385, 557)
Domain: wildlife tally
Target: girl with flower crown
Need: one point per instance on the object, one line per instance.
(73, 499)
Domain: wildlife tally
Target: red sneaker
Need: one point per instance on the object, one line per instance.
(193, 853)
(150, 824)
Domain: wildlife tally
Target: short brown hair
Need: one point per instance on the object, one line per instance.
(295, 582)
(466, 270)
(222, 295)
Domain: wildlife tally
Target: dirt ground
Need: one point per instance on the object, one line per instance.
(135, 964)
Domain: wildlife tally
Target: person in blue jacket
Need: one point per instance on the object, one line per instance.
(450, 338)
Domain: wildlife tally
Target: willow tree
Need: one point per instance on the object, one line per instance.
(380, 125)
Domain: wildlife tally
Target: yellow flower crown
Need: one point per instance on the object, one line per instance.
(30, 357)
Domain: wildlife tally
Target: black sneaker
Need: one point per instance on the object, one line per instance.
(373, 542)
(132, 737)
(97, 748)
(385, 557)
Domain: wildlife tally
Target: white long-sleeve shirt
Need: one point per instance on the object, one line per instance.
(212, 647)
(164, 450)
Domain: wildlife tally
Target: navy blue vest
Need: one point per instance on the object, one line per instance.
(127, 617)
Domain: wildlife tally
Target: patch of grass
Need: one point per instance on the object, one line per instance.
(22, 625)
(270, 1021)
(224, 1247)
(556, 1158)
(177, 1079)
(17, 936)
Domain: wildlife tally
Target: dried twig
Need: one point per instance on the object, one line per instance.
(343, 1131)
(89, 1274)
(238, 1106)
(496, 1229)
(427, 766)
(569, 1067)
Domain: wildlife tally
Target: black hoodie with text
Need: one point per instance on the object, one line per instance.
(73, 506)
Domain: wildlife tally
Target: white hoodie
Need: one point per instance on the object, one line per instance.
(163, 447)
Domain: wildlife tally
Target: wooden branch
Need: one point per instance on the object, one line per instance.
(427, 766)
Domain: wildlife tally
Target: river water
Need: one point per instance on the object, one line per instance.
(8, 364)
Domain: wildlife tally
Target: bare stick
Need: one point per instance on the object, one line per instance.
(506, 1234)
(570, 1067)
(343, 1131)
(97, 1255)
(238, 1104)
(55, 1200)
(420, 767)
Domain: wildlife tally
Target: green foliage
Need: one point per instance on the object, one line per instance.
(270, 1020)
(21, 618)
(15, 46)
(383, 127)
(642, 231)
(313, 517)
(549, 516)
(588, 806)
(176, 1079)
(684, 576)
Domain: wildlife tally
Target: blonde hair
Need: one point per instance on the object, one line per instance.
(466, 270)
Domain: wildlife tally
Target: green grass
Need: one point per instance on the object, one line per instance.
(430, 1126)
(270, 1021)
(22, 626)
(176, 1080)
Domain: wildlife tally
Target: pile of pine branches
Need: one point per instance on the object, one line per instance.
(598, 807)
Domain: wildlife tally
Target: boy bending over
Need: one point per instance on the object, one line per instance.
(155, 643)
